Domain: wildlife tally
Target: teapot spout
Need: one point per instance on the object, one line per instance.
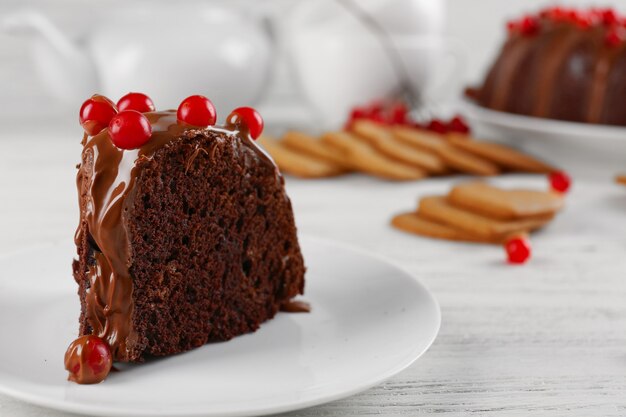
(66, 70)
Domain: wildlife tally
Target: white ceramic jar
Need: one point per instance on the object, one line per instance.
(348, 52)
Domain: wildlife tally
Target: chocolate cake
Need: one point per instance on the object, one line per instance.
(186, 239)
(563, 64)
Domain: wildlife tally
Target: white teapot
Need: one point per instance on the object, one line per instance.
(167, 51)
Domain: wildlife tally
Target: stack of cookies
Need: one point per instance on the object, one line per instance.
(479, 212)
(400, 153)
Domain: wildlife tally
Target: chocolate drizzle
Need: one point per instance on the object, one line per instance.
(555, 52)
(106, 185)
(600, 85)
(296, 306)
(502, 80)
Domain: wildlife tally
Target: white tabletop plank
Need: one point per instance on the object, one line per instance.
(544, 339)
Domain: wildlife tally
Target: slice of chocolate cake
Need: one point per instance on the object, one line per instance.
(186, 239)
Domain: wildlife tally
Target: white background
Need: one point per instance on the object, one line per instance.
(478, 24)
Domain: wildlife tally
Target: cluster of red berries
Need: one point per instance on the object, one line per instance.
(527, 26)
(455, 125)
(583, 18)
(397, 113)
(531, 24)
(129, 128)
(518, 247)
(391, 113)
(615, 36)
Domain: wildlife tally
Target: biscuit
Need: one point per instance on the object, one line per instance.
(501, 155)
(415, 223)
(384, 141)
(502, 204)
(298, 164)
(364, 158)
(621, 179)
(458, 135)
(440, 210)
(306, 144)
(453, 157)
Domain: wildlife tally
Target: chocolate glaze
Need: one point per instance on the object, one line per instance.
(107, 177)
(296, 306)
(555, 54)
(600, 85)
(519, 47)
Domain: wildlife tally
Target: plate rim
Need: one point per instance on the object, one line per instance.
(72, 407)
(546, 126)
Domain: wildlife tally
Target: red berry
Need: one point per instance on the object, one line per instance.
(129, 129)
(517, 249)
(571, 15)
(553, 13)
(248, 117)
(374, 112)
(458, 124)
(437, 126)
(377, 118)
(197, 111)
(614, 38)
(376, 106)
(358, 113)
(560, 181)
(398, 114)
(547, 12)
(136, 101)
(512, 26)
(529, 26)
(96, 113)
(609, 17)
(88, 359)
(584, 20)
(560, 14)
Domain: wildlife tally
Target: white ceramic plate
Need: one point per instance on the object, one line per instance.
(542, 128)
(582, 148)
(370, 320)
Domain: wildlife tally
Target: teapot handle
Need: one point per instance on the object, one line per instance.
(67, 72)
(448, 75)
(32, 21)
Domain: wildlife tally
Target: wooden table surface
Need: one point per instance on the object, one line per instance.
(544, 339)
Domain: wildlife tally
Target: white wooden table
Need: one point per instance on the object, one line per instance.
(544, 339)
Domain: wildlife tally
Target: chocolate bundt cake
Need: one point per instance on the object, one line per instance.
(185, 239)
(563, 64)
